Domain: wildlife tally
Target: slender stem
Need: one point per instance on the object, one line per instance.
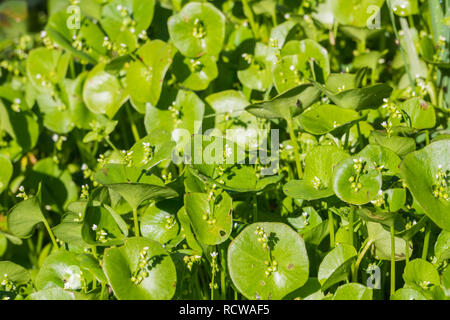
(255, 208)
(134, 129)
(331, 227)
(408, 72)
(102, 293)
(426, 242)
(136, 223)
(50, 233)
(427, 137)
(407, 252)
(350, 224)
(251, 19)
(392, 259)
(359, 259)
(109, 142)
(295, 146)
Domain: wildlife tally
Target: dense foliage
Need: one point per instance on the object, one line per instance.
(324, 125)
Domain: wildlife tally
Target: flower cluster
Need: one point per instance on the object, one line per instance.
(199, 29)
(141, 271)
(263, 237)
(190, 260)
(360, 168)
(214, 269)
(22, 194)
(170, 222)
(7, 283)
(127, 158)
(148, 151)
(440, 189)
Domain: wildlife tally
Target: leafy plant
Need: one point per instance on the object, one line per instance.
(175, 149)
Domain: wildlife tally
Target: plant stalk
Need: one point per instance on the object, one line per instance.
(295, 146)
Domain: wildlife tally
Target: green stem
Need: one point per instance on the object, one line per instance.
(426, 242)
(350, 224)
(102, 293)
(331, 227)
(136, 222)
(50, 233)
(407, 252)
(408, 72)
(427, 137)
(295, 146)
(251, 19)
(359, 259)
(255, 208)
(134, 129)
(392, 259)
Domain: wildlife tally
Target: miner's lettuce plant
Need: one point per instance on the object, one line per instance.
(254, 149)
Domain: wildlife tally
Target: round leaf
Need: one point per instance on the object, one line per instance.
(246, 262)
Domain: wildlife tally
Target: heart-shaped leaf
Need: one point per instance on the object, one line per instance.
(287, 104)
(135, 185)
(335, 266)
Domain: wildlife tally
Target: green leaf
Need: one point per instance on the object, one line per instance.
(353, 186)
(14, 273)
(405, 8)
(382, 241)
(419, 170)
(335, 266)
(419, 113)
(420, 273)
(195, 74)
(103, 92)
(255, 70)
(211, 219)
(24, 216)
(52, 294)
(100, 227)
(369, 97)
(159, 225)
(135, 185)
(407, 294)
(384, 158)
(400, 145)
(287, 104)
(353, 291)
(68, 270)
(323, 118)
(246, 262)
(198, 29)
(355, 12)
(120, 265)
(180, 109)
(145, 77)
(296, 63)
(317, 181)
(442, 246)
(46, 67)
(116, 12)
(5, 173)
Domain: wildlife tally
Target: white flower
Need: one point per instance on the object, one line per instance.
(94, 227)
(214, 254)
